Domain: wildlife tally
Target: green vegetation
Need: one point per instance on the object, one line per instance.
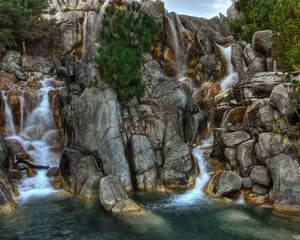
(286, 38)
(125, 35)
(257, 16)
(20, 20)
(280, 16)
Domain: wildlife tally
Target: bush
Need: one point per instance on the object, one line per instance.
(286, 39)
(21, 20)
(125, 35)
(257, 16)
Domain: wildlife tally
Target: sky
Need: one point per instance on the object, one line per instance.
(199, 8)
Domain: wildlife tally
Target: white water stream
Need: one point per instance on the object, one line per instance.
(9, 123)
(231, 76)
(36, 133)
(196, 193)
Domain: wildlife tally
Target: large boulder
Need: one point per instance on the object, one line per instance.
(245, 156)
(260, 174)
(269, 145)
(262, 42)
(232, 139)
(11, 63)
(225, 183)
(76, 167)
(280, 97)
(285, 174)
(261, 84)
(114, 198)
(90, 190)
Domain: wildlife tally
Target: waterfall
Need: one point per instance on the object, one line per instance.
(231, 76)
(102, 11)
(196, 193)
(37, 131)
(9, 123)
(22, 104)
(175, 41)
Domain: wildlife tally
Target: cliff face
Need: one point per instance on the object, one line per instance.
(145, 144)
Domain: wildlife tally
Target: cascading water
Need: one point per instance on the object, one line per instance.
(9, 123)
(91, 26)
(175, 41)
(196, 193)
(36, 135)
(231, 76)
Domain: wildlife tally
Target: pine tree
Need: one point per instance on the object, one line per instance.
(20, 20)
(286, 37)
(125, 35)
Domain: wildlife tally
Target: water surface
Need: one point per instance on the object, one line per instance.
(65, 217)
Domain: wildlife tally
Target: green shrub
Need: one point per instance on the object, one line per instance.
(286, 39)
(125, 35)
(257, 16)
(20, 20)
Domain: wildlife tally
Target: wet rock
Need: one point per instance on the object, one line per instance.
(7, 80)
(5, 159)
(53, 172)
(247, 182)
(262, 42)
(22, 156)
(259, 189)
(114, 198)
(15, 148)
(30, 172)
(56, 183)
(245, 156)
(259, 174)
(126, 206)
(195, 126)
(15, 174)
(285, 174)
(90, 189)
(231, 139)
(76, 166)
(269, 145)
(225, 183)
(256, 199)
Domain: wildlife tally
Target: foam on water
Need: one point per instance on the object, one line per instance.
(196, 193)
(33, 137)
(231, 77)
